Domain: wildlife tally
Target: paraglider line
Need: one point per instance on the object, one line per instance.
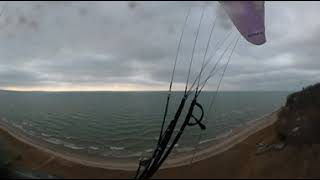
(214, 99)
(206, 51)
(193, 49)
(209, 60)
(172, 76)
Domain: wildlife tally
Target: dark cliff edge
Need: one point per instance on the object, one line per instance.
(299, 120)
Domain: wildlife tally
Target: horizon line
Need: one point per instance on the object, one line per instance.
(143, 90)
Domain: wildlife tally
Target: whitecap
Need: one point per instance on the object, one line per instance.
(32, 133)
(236, 111)
(148, 150)
(24, 130)
(116, 148)
(72, 146)
(224, 135)
(207, 140)
(17, 126)
(75, 117)
(93, 148)
(175, 146)
(45, 135)
(54, 141)
(137, 154)
(250, 122)
(221, 136)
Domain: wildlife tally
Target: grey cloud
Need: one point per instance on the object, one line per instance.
(98, 43)
(14, 77)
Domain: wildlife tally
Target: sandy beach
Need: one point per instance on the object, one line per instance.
(232, 157)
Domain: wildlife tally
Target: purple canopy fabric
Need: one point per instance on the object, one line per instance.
(248, 17)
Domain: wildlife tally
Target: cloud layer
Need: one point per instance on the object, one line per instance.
(132, 46)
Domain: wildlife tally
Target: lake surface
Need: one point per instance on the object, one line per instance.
(126, 124)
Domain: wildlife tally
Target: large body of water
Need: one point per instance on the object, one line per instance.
(125, 124)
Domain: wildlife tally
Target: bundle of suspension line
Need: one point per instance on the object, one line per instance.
(163, 148)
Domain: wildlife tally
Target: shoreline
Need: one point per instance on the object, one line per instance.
(238, 134)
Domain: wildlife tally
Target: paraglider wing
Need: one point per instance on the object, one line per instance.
(248, 17)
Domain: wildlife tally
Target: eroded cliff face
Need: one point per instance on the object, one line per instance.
(299, 119)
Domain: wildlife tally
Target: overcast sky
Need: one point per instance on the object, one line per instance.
(131, 46)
